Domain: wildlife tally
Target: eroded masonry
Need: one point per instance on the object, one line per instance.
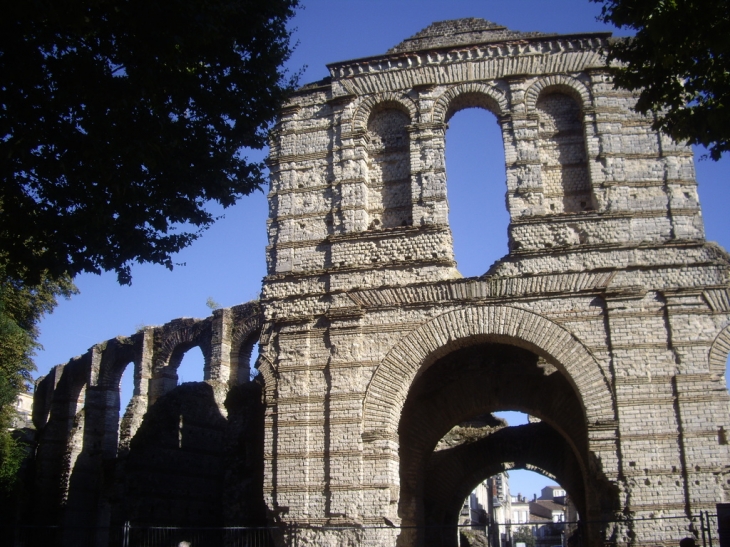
(608, 322)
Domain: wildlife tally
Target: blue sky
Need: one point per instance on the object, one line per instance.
(227, 263)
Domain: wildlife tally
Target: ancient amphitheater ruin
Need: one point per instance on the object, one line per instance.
(609, 321)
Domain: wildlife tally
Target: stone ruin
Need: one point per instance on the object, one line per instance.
(608, 322)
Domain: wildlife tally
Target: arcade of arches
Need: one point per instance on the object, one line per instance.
(608, 320)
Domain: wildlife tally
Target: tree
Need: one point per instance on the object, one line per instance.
(523, 534)
(120, 120)
(21, 309)
(680, 60)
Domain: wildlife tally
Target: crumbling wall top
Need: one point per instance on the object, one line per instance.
(459, 32)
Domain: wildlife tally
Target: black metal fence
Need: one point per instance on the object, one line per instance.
(137, 536)
(704, 528)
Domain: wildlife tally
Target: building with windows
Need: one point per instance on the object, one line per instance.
(23, 412)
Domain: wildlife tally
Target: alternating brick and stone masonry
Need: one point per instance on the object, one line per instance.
(608, 321)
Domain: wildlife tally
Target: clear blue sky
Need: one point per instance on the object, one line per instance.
(227, 263)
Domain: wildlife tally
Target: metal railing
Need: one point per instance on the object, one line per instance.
(704, 527)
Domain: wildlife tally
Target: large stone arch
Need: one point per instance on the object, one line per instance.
(179, 336)
(481, 375)
(493, 99)
(245, 334)
(56, 454)
(172, 342)
(561, 83)
(389, 387)
(116, 354)
(720, 349)
(370, 103)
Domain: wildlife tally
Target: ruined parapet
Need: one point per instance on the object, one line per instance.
(83, 433)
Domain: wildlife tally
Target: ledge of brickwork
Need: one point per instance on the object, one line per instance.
(469, 52)
(479, 289)
(596, 216)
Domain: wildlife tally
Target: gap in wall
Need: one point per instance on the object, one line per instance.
(191, 367)
(476, 188)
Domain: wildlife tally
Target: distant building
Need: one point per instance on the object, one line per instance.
(474, 511)
(548, 509)
(552, 493)
(520, 509)
(24, 412)
(489, 508)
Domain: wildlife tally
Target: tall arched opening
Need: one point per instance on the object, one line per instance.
(475, 179)
(474, 362)
(469, 382)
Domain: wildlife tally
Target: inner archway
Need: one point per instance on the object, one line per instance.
(462, 388)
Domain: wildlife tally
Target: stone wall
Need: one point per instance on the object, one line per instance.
(187, 454)
(609, 283)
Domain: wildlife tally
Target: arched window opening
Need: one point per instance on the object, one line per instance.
(243, 360)
(476, 188)
(126, 388)
(565, 180)
(389, 172)
(252, 370)
(192, 366)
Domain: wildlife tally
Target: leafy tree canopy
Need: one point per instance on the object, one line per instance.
(121, 119)
(680, 60)
(21, 309)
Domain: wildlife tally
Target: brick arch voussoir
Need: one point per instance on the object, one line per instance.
(558, 82)
(270, 377)
(371, 102)
(186, 336)
(243, 339)
(116, 354)
(720, 349)
(389, 387)
(245, 330)
(494, 95)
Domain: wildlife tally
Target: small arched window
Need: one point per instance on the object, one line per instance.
(389, 173)
(565, 181)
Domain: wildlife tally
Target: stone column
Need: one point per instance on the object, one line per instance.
(428, 174)
(701, 399)
(293, 454)
(651, 435)
(349, 170)
(344, 388)
(522, 158)
(218, 368)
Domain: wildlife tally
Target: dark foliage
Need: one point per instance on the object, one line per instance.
(679, 59)
(121, 119)
(21, 309)
(524, 534)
